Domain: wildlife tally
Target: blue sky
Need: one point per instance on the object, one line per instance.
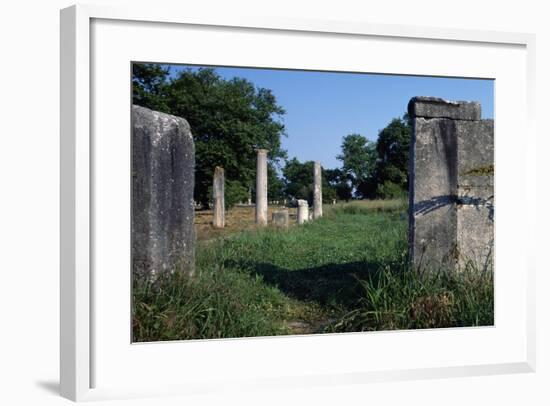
(323, 107)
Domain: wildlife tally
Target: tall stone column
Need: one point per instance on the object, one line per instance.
(450, 185)
(317, 191)
(261, 187)
(303, 212)
(219, 197)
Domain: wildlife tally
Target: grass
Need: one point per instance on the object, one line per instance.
(406, 300)
(369, 206)
(347, 271)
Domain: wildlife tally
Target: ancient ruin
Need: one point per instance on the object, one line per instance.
(451, 201)
(261, 187)
(218, 191)
(280, 218)
(317, 191)
(163, 233)
(302, 212)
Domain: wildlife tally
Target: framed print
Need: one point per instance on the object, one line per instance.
(278, 202)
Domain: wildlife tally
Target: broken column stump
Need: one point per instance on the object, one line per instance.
(302, 212)
(280, 218)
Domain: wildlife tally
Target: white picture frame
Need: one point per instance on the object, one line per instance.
(78, 351)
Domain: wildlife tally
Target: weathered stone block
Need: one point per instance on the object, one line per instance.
(451, 185)
(280, 218)
(475, 236)
(475, 143)
(163, 168)
(434, 160)
(432, 233)
(434, 107)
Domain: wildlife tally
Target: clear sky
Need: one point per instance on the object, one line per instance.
(323, 107)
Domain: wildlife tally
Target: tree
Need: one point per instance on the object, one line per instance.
(229, 120)
(358, 160)
(298, 179)
(275, 185)
(392, 165)
(338, 181)
(149, 83)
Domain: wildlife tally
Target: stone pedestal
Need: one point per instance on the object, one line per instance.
(280, 218)
(261, 187)
(218, 189)
(303, 212)
(450, 185)
(317, 191)
(163, 179)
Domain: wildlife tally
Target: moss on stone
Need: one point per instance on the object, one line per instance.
(481, 171)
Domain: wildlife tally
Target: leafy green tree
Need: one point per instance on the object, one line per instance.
(149, 85)
(275, 185)
(338, 181)
(235, 192)
(298, 178)
(392, 165)
(358, 159)
(378, 169)
(229, 120)
(389, 190)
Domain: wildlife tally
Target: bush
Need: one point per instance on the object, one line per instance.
(235, 192)
(390, 190)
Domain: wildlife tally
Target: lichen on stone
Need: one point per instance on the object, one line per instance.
(487, 170)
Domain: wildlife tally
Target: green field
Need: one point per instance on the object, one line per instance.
(345, 272)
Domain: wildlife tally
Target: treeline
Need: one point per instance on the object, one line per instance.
(230, 119)
(378, 169)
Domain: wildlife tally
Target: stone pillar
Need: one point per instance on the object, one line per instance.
(219, 198)
(261, 187)
(317, 191)
(280, 218)
(163, 179)
(450, 185)
(303, 211)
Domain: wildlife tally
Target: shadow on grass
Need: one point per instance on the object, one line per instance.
(329, 284)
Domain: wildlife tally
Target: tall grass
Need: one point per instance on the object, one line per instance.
(215, 304)
(410, 300)
(347, 271)
(367, 207)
